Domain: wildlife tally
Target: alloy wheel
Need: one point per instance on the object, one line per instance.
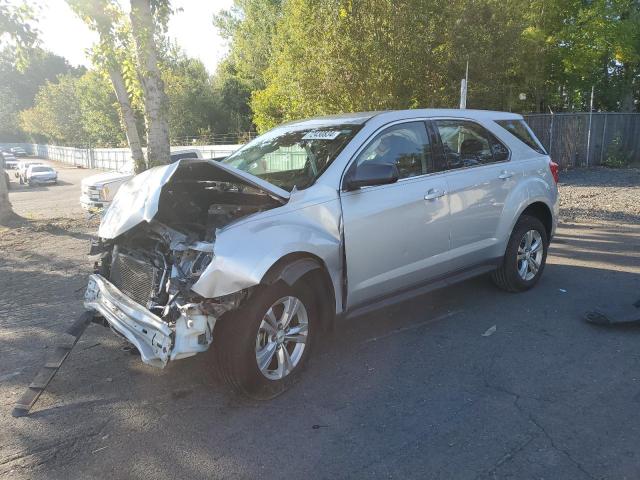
(282, 338)
(530, 253)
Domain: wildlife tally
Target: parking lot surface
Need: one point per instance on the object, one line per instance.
(422, 389)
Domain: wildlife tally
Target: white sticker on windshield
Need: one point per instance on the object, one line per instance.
(321, 135)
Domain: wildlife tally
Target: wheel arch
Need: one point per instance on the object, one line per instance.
(542, 212)
(305, 266)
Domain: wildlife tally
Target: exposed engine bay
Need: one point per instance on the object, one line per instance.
(156, 262)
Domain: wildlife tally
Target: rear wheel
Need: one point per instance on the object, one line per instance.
(525, 257)
(263, 346)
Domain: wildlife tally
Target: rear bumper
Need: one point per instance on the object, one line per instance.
(42, 181)
(150, 335)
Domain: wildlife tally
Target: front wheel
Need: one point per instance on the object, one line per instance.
(525, 257)
(262, 347)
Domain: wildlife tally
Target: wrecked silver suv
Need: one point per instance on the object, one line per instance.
(315, 219)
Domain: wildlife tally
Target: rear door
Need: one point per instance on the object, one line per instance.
(479, 179)
(396, 236)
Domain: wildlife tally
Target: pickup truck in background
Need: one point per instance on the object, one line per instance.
(98, 190)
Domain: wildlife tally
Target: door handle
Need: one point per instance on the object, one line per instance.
(434, 193)
(505, 175)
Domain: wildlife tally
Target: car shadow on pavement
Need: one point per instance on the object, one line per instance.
(619, 248)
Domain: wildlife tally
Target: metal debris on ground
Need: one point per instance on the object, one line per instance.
(490, 331)
(613, 316)
(51, 366)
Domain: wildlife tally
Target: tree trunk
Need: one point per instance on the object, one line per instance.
(128, 118)
(6, 210)
(155, 99)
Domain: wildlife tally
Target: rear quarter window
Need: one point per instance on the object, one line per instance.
(520, 130)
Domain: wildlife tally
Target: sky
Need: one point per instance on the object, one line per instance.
(63, 33)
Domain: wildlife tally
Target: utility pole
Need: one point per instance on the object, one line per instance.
(590, 119)
(463, 88)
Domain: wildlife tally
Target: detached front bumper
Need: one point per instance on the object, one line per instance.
(150, 335)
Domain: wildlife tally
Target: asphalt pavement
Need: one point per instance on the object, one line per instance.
(464, 383)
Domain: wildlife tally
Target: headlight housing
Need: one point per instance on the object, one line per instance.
(104, 193)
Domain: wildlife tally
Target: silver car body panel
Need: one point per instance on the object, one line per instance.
(374, 240)
(309, 224)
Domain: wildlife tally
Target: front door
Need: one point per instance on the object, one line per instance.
(396, 236)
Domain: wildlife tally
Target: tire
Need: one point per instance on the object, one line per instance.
(239, 335)
(509, 276)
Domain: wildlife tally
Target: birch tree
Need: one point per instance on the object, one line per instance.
(112, 54)
(147, 23)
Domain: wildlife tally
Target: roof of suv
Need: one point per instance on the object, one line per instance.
(359, 118)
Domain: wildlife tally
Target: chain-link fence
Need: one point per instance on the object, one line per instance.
(572, 139)
(583, 139)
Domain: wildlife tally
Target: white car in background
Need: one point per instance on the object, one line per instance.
(23, 166)
(41, 175)
(98, 190)
(10, 161)
(19, 152)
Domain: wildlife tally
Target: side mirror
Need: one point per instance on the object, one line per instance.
(369, 174)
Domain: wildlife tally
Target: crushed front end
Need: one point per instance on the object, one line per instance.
(142, 281)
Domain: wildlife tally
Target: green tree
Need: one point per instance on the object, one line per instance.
(190, 95)
(232, 95)
(341, 55)
(99, 110)
(19, 86)
(16, 28)
(56, 115)
(249, 26)
(75, 112)
(600, 46)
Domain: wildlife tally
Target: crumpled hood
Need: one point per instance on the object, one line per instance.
(137, 199)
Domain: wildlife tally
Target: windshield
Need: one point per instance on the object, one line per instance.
(41, 169)
(293, 156)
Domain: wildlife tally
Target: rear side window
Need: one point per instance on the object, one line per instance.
(467, 144)
(519, 129)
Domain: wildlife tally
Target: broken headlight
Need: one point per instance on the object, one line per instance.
(196, 262)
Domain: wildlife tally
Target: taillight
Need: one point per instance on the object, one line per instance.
(555, 170)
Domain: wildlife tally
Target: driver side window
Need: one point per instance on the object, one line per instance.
(406, 145)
